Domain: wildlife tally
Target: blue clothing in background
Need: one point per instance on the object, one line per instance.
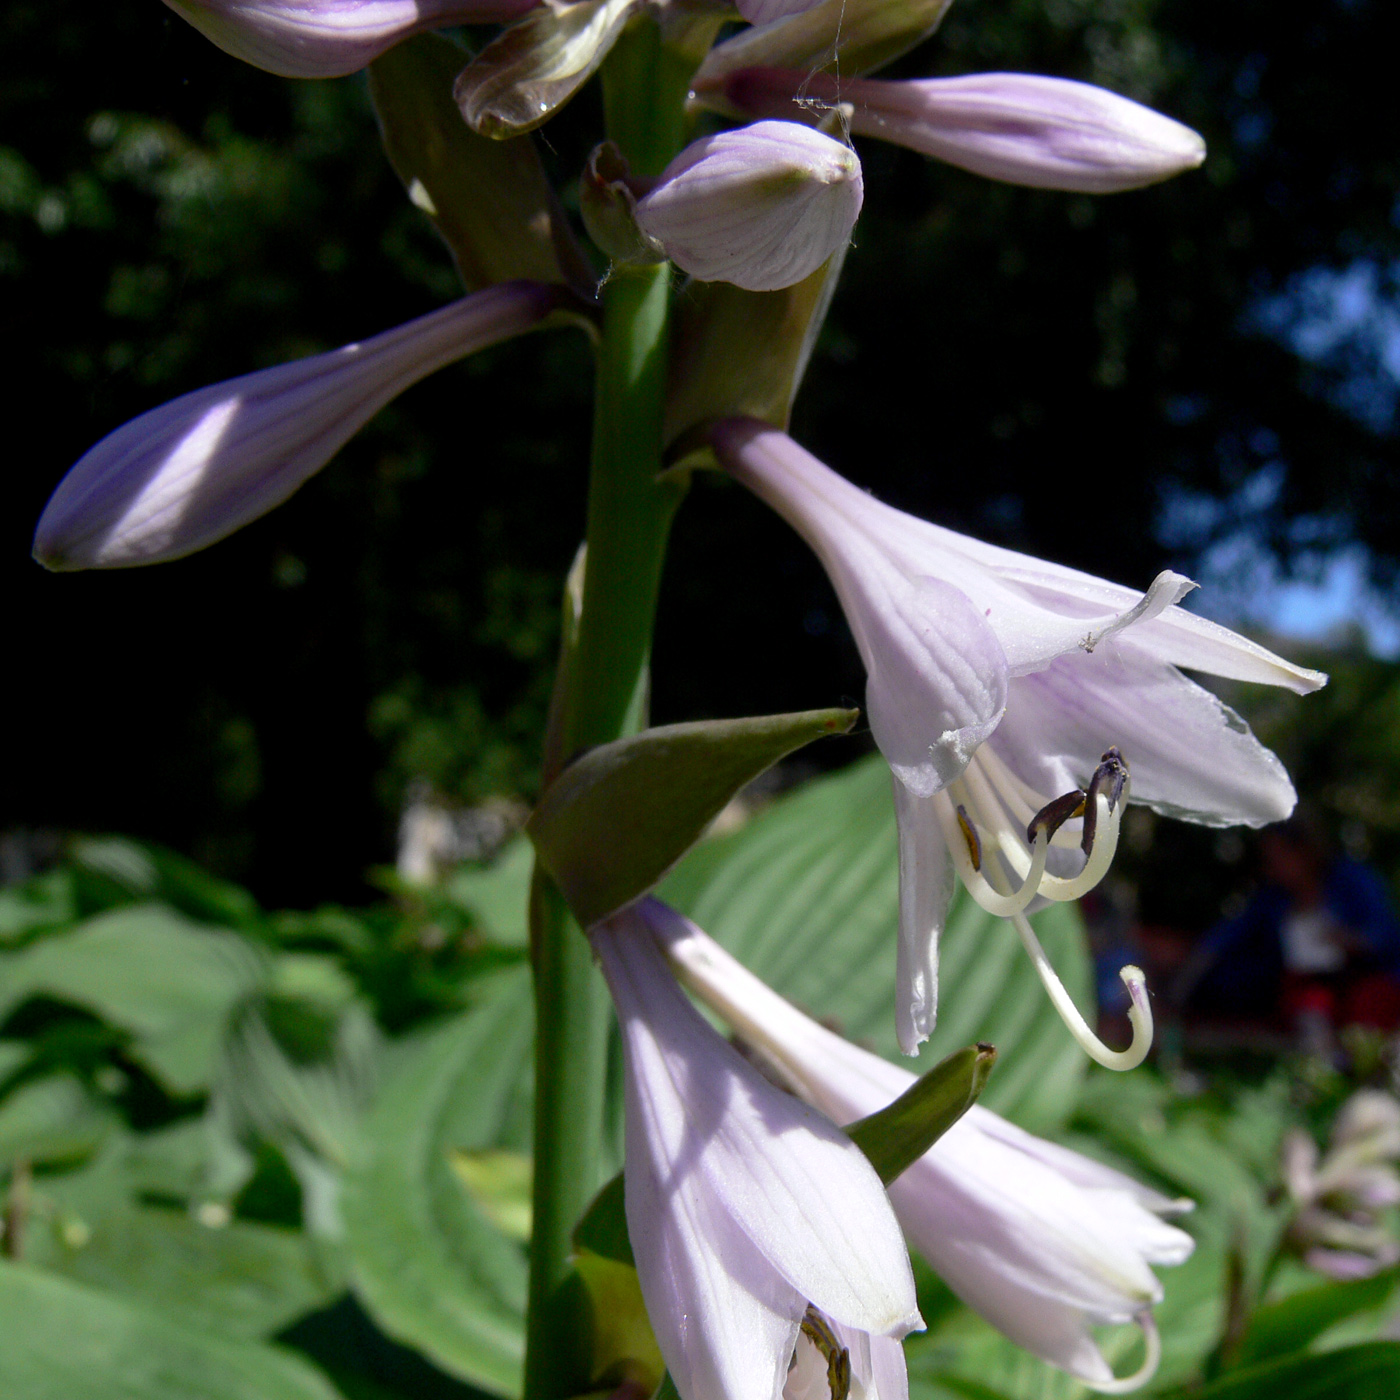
(1246, 952)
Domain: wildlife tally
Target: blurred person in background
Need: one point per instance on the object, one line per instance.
(1317, 946)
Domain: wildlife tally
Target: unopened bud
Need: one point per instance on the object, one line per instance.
(329, 38)
(762, 207)
(198, 468)
(1017, 127)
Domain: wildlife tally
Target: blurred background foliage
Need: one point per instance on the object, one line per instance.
(223, 1127)
(1202, 374)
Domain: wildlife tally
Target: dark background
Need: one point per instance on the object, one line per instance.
(1222, 349)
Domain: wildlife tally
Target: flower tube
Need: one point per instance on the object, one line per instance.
(1022, 128)
(762, 207)
(329, 38)
(1018, 703)
(1039, 1240)
(762, 1235)
(202, 466)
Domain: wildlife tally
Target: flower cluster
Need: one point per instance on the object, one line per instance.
(1342, 1201)
(1020, 705)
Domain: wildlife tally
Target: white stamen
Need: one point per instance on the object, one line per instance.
(1100, 858)
(1139, 1014)
(1020, 799)
(1002, 904)
(1144, 1373)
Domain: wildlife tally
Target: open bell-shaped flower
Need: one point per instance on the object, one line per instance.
(198, 468)
(761, 207)
(761, 1233)
(1040, 1240)
(1012, 698)
(329, 38)
(1022, 128)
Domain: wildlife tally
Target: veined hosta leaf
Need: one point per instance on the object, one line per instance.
(168, 981)
(234, 1278)
(1370, 1371)
(63, 1341)
(807, 896)
(427, 1262)
(617, 818)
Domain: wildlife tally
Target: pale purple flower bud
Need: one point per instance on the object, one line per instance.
(746, 1209)
(329, 38)
(1018, 127)
(1042, 1241)
(198, 468)
(762, 207)
(1012, 698)
(1340, 1227)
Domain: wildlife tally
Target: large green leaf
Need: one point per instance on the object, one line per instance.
(63, 1341)
(620, 816)
(497, 897)
(220, 1277)
(427, 1261)
(112, 870)
(1370, 1371)
(43, 902)
(49, 1119)
(168, 981)
(807, 895)
(1293, 1323)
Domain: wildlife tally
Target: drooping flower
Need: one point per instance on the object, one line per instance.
(1012, 698)
(329, 38)
(762, 207)
(756, 1223)
(1021, 128)
(198, 468)
(1040, 1240)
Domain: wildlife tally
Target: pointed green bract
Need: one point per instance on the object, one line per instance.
(523, 76)
(896, 1137)
(740, 353)
(603, 1229)
(489, 200)
(619, 817)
